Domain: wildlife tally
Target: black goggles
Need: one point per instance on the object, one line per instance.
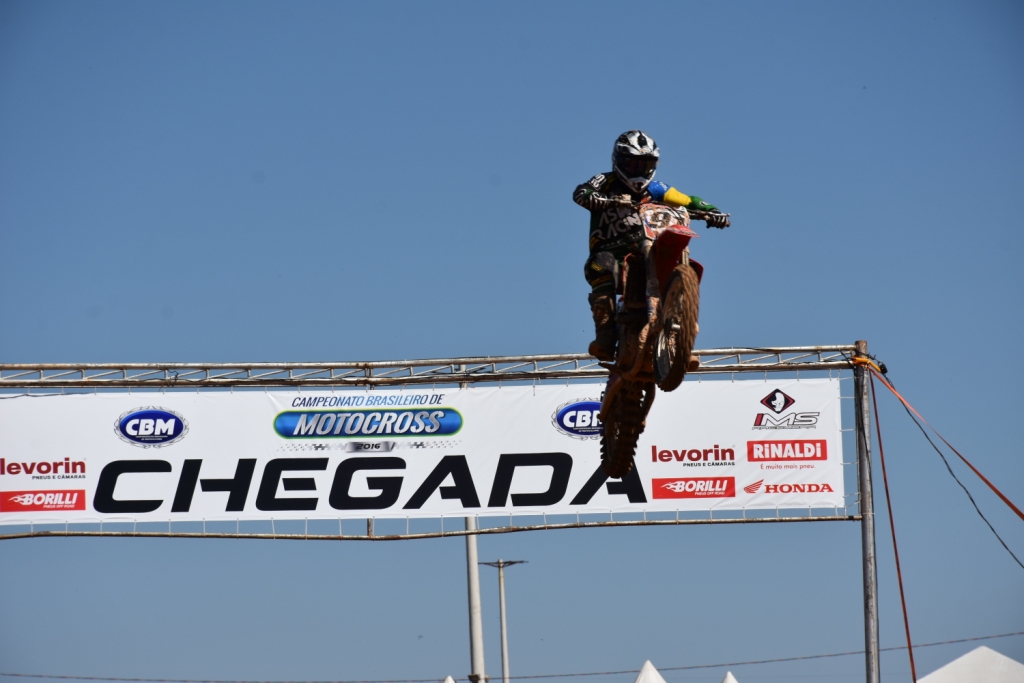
(638, 167)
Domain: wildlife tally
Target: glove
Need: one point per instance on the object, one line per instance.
(621, 200)
(717, 220)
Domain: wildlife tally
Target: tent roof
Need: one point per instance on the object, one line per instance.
(981, 664)
(648, 674)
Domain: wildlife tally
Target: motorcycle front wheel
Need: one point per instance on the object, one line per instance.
(674, 342)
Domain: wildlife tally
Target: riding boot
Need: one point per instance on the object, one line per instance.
(602, 307)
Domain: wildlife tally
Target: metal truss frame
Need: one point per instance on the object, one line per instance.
(370, 535)
(66, 376)
(51, 378)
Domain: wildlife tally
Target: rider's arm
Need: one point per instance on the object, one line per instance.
(661, 192)
(590, 194)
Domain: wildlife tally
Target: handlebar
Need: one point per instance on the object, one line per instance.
(696, 214)
(705, 215)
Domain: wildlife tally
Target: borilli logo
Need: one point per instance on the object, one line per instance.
(37, 501)
(694, 487)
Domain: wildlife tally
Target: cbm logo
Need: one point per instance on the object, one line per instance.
(151, 427)
(578, 419)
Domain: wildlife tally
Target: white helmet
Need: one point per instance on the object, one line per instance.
(634, 159)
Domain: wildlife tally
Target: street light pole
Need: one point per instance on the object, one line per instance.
(501, 564)
(476, 627)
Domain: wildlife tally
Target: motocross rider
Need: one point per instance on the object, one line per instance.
(616, 229)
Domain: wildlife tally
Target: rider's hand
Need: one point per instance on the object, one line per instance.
(621, 200)
(717, 220)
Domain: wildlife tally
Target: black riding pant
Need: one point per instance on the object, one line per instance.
(602, 273)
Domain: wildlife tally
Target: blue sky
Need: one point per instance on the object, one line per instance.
(346, 181)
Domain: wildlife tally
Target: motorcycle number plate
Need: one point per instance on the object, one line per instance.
(658, 218)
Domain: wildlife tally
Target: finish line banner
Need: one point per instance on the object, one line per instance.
(158, 457)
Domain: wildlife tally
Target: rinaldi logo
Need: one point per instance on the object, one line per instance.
(806, 449)
(36, 501)
(777, 401)
(694, 487)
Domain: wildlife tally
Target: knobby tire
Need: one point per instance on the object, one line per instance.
(622, 428)
(674, 342)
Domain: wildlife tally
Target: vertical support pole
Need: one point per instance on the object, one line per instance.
(867, 511)
(500, 566)
(504, 637)
(476, 624)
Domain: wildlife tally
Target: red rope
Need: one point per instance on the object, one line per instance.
(892, 528)
(966, 462)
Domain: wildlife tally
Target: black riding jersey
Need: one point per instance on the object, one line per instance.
(613, 227)
(618, 229)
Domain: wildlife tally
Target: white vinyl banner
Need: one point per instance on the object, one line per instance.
(412, 453)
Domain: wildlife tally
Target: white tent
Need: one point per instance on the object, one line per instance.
(981, 664)
(648, 674)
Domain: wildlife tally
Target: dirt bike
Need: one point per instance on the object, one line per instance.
(653, 350)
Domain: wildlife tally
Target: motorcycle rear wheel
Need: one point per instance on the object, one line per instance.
(674, 341)
(622, 426)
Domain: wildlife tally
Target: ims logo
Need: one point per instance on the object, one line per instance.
(788, 421)
(778, 402)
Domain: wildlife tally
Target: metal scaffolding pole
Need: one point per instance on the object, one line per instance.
(476, 624)
(501, 564)
(867, 511)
